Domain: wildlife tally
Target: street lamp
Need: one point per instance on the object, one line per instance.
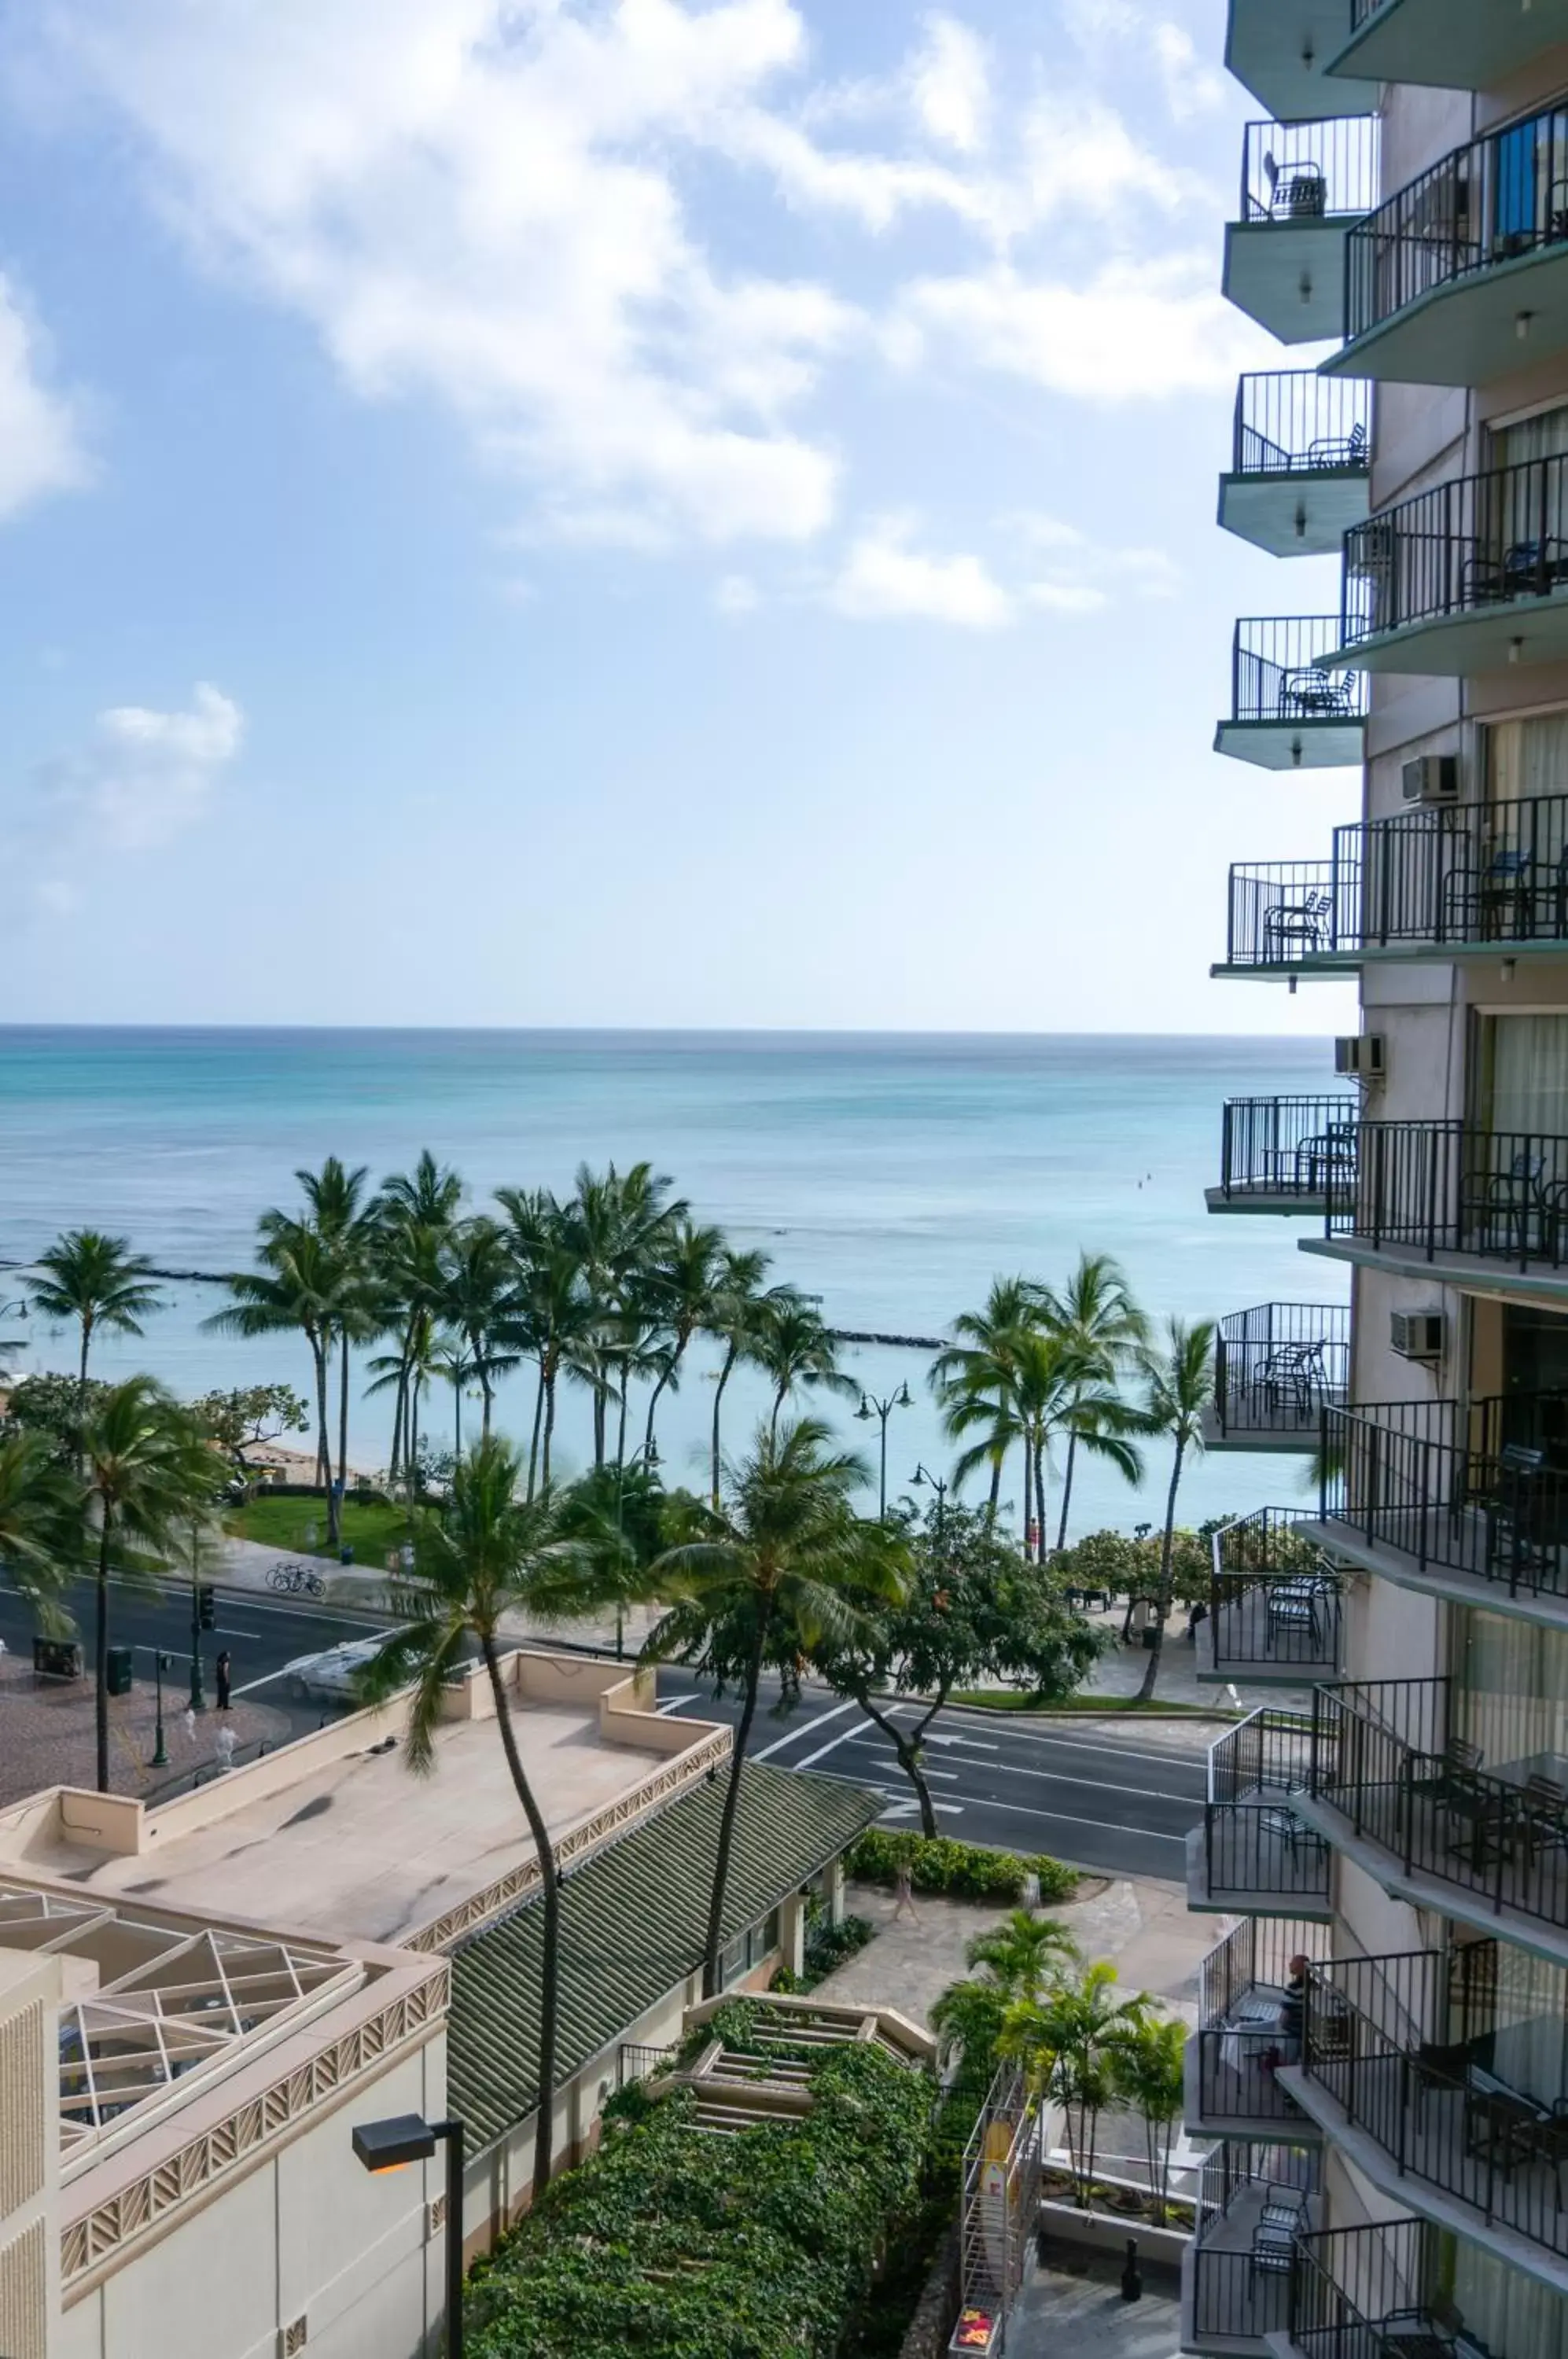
(871, 1407)
(921, 1476)
(409, 2137)
(161, 1663)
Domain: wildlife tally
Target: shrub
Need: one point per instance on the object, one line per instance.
(964, 1871)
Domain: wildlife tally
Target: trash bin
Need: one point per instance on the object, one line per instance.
(57, 1658)
(117, 1671)
(345, 1554)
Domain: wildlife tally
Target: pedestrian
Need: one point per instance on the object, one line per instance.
(225, 1670)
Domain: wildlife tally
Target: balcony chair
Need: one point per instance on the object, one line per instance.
(1413, 2333)
(1545, 2141)
(1301, 1843)
(1305, 923)
(1491, 902)
(1339, 449)
(1517, 1213)
(1296, 191)
(1451, 1781)
(1525, 568)
(1521, 1538)
(1310, 693)
(1541, 1817)
(1327, 1152)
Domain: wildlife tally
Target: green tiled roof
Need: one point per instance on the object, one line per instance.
(632, 1923)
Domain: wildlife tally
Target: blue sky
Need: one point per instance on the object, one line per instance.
(558, 512)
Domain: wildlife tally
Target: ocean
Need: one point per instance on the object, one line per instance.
(892, 1175)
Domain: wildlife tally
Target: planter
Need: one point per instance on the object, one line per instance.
(1107, 2232)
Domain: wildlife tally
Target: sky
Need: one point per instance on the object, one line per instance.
(618, 512)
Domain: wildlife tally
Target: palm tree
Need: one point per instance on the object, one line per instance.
(99, 1282)
(1096, 1313)
(1071, 2039)
(1148, 2073)
(973, 1378)
(618, 1224)
(38, 1544)
(298, 1289)
(415, 1213)
(1024, 1952)
(685, 1288)
(337, 1212)
(768, 1582)
(1178, 1385)
(797, 1349)
(479, 1300)
(735, 1320)
(1048, 1390)
(147, 1472)
(556, 1322)
(490, 1554)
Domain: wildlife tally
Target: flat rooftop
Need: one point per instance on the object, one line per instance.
(335, 1838)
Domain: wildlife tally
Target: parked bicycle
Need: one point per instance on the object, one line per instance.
(297, 1580)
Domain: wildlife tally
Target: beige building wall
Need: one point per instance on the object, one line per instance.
(30, 1993)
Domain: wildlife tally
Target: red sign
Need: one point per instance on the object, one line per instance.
(975, 2332)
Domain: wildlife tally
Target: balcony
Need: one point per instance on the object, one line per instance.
(1288, 918)
(1450, 1797)
(1301, 462)
(1252, 1852)
(1443, 2092)
(1277, 1368)
(1276, 1154)
(1288, 710)
(1274, 1604)
(1463, 276)
(1381, 2292)
(1467, 1499)
(1302, 187)
(1467, 576)
(1231, 2089)
(1279, 50)
(1445, 44)
(1467, 1205)
(1237, 2273)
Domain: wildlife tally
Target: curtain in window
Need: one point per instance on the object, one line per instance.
(1528, 2042)
(1512, 1687)
(1530, 1074)
(1514, 2316)
(1531, 757)
(1544, 436)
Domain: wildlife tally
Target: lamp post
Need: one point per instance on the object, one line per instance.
(198, 1701)
(409, 2137)
(871, 1407)
(161, 1663)
(921, 1476)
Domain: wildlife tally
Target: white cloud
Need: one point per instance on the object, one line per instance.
(40, 450)
(949, 85)
(1119, 35)
(885, 578)
(1083, 158)
(738, 594)
(145, 776)
(1067, 597)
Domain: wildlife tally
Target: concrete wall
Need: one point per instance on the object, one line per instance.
(30, 1993)
(307, 2233)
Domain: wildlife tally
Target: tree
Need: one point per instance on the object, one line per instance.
(973, 1378)
(414, 1213)
(489, 1553)
(1050, 1387)
(250, 1415)
(147, 1480)
(965, 1615)
(770, 1577)
(297, 1290)
(1097, 1314)
(685, 1288)
(479, 1303)
(797, 1350)
(1178, 1385)
(1020, 1960)
(736, 1320)
(1069, 2040)
(618, 1225)
(38, 1536)
(98, 1282)
(345, 1224)
(1147, 2072)
(54, 1407)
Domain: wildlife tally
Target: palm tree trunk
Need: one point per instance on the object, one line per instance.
(457, 1419)
(727, 1816)
(81, 1380)
(777, 1407)
(1039, 1500)
(538, 1421)
(598, 1427)
(399, 1399)
(621, 1423)
(549, 1962)
(1162, 1602)
(1066, 1492)
(489, 1389)
(100, 1701)
(343, 1422)
(548, 1432)
(730, 1358)
(318, 1349)
(992, 1502)
(664, 1375)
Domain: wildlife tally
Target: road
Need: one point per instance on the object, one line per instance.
(261, 1633)
(1123, 1805)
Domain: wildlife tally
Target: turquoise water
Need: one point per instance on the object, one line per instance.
(893, 1174)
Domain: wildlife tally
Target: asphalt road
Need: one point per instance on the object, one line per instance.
(1123, 1805)
(261, 1633)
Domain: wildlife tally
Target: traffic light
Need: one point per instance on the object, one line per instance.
(207, 1607)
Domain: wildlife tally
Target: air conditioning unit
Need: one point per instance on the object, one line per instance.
(1416, 1334)
(1362, 1055)
(1431, 778)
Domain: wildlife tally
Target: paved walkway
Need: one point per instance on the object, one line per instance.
(1075, 2305)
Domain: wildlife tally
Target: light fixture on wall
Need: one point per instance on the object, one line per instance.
(1508, 969)
(1516, 649)
(1521, 325)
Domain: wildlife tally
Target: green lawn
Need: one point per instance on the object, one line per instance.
(1015, 1699)
(372, 1527)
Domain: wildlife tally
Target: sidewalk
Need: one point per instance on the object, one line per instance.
(1075, 2303)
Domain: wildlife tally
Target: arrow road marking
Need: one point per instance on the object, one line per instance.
(910, 1809)
(975, 1744)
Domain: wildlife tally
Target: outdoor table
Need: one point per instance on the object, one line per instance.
(1254, 2024)
(1535, 1765)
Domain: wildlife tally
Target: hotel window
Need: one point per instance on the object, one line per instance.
(1512, 1684)
(1514, 2317)
(1528, 757)
(1523, 1074)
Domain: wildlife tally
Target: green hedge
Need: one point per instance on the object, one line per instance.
(964, 1871)
(672, 2245)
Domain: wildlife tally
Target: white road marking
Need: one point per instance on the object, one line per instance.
(251, 1686)
(805, 1728)
(1049, 1777)
(676, 1703)
(978, 1744)
(910, 1809)
(844, 1736)
(1101, 1826)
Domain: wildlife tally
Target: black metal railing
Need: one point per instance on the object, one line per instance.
(1288, 1147)
(1296, 172)
(1274, 1598)
(1235, 2297)
(1294, 422)
(1240, 2037)
(1278, 672)
(1283, 912)
(1420, 2062)
(1257, 1954)
(1494, 872)
(634, 2061)
(1398, 1759)
(1488, 202)
(1464, 546)
(1452, 1188)
(1253, 1844)
(1478, 1487)
(1277, 1365)
(1357, 2291)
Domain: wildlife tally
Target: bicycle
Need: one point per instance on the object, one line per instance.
(297, 1580)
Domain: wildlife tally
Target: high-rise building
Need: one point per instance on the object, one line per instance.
(1383, 2055)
